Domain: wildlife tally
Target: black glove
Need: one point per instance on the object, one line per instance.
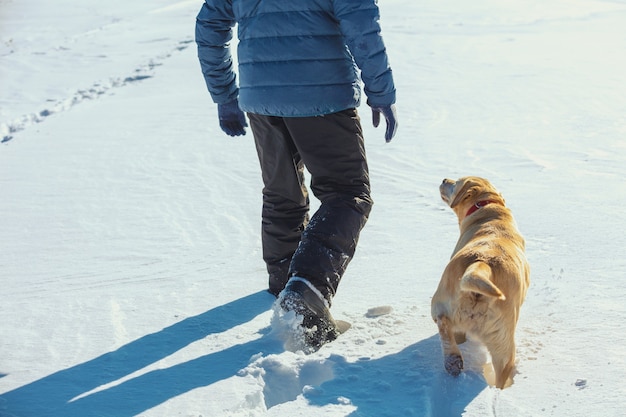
(390, 116)
(232, 119)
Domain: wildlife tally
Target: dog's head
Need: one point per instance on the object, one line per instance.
(467, 192)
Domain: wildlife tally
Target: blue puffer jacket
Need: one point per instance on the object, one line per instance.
(296, 57)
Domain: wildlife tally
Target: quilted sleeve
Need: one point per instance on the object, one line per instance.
(214, 26)
(359, 23)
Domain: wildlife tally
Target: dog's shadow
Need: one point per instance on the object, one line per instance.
(411, 382)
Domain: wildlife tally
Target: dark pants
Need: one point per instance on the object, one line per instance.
(332, 149)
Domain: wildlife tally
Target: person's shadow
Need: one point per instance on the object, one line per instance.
(56, 395)
(409, 383)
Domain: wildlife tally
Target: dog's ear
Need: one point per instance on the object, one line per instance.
(462, 193)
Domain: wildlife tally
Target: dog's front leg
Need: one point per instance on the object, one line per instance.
(452, 359)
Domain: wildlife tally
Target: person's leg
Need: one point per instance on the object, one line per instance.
(332, 148)
(285, 197)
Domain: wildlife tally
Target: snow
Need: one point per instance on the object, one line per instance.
(132, 279)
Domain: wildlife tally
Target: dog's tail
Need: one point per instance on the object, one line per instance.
(477, 279)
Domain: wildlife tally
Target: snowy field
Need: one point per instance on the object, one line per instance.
(130, 265)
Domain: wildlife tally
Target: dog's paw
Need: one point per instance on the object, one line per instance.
(454, 364)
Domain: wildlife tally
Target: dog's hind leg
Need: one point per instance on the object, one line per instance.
(452, 359)
(503, 358)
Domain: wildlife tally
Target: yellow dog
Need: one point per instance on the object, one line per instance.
(485, 282)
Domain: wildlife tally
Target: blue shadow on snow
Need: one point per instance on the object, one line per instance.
(52, 396)
(410, 383)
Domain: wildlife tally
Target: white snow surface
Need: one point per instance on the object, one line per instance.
(130, 263)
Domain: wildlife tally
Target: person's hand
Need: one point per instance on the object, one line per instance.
(389, 112)
(232, 120)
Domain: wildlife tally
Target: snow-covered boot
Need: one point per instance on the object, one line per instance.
(317, 325)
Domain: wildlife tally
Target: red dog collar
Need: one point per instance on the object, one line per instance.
(479, 205)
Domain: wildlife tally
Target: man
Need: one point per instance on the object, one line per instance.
(300, 86)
